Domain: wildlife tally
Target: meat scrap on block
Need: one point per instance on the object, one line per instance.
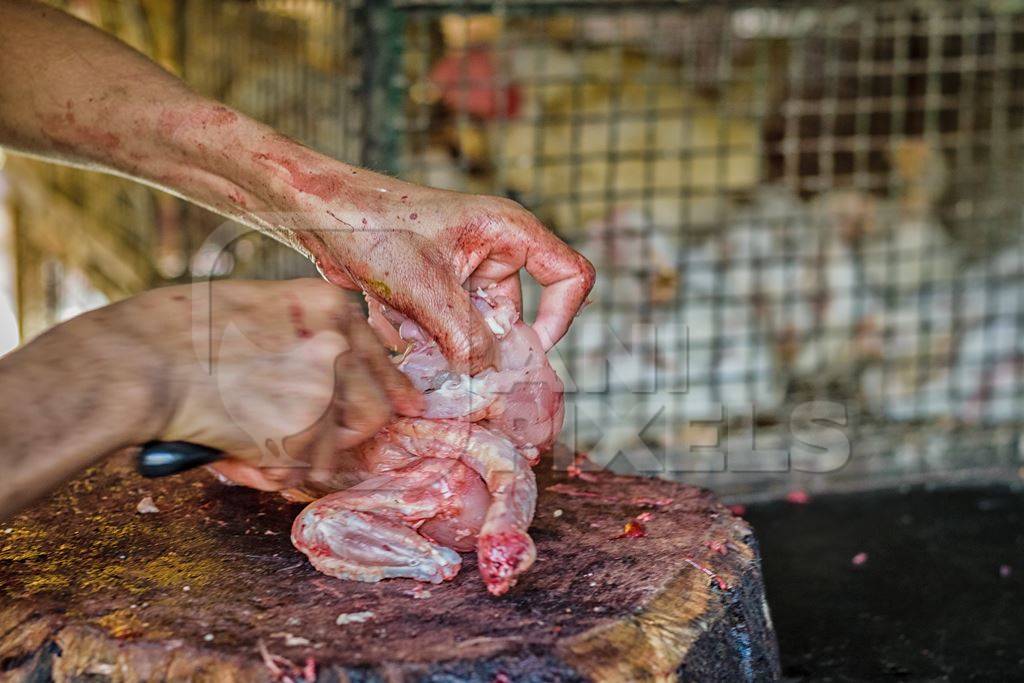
(457, 478)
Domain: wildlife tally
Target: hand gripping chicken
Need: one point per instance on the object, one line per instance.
(457, 478)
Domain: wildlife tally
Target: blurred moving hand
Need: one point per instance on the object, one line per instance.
(281, 376)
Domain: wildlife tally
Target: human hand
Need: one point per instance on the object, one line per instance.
(418, 249)
(280, 376)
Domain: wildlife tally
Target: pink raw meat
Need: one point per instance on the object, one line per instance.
(521, 398)
(455, 479)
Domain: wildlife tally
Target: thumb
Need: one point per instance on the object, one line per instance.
(444, 310)
(405, 398)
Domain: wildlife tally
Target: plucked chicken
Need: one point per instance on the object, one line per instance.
(456, 479)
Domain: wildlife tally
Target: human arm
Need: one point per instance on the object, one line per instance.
(69, 92)
(281, 376)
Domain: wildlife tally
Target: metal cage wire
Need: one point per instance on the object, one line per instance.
(788, 205)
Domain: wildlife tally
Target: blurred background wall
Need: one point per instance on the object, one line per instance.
(805, 215)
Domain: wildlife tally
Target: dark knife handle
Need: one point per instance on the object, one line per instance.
(164, 458)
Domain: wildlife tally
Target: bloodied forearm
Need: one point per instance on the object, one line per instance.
(70, 92)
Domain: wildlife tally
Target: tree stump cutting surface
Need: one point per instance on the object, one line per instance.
(210, 588)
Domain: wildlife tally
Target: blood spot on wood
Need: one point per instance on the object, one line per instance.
(633, 529)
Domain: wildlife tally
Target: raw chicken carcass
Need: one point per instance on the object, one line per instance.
(521, 398)
(455, 479)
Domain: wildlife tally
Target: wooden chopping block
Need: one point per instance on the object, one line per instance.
(210, 588)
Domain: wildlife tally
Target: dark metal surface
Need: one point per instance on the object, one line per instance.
(938, 596)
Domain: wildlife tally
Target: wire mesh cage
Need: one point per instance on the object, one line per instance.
(806, 217)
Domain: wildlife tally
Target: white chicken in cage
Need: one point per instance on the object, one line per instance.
(991, 307)
(958, 355)
(949, 334)
(671, 332)
(801, 281)
(787, 268)
(863, 295)
(790, 292)
(881, 306)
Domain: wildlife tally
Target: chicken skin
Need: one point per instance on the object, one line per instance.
(456, 479)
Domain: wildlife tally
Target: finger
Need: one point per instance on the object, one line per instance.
(320, 446)
(567, 278)
(243, 473)
(285, 463)
(509, 286)
(512, 288)
(284, 477)
(322, 452)
(327, 459)
(443, 309)
(360, 406)
(381, 326)
(404, 397)
(271, 473)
